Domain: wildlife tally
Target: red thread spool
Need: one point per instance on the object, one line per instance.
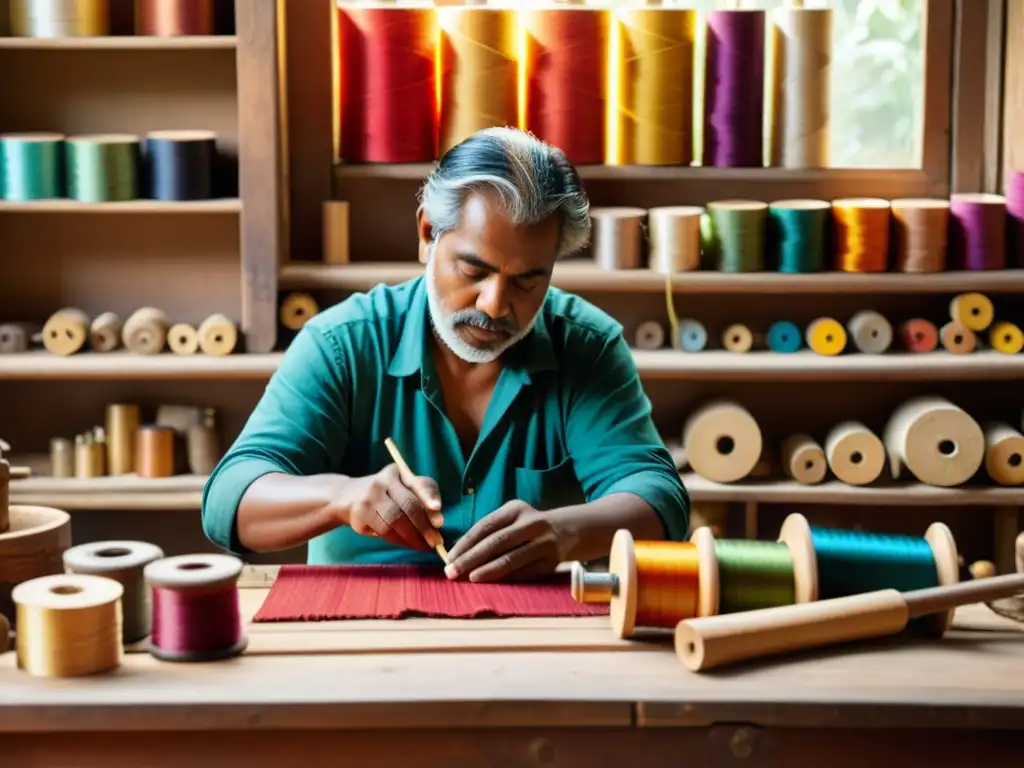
(387, 85)
(567, 76)
(196, 614)
(173, 18)
(919, 335)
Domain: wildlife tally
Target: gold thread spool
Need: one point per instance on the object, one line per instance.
(617, 237)
(122, 423)
(936, 440)
(105, 332)
(861, 234)
(62, 457)
(803, 459)
(974, 310)
(32, 547)
(722, 442)
(217, 336)
(169, 18)
(60, 18)
(1004, 454)
(69, 625)
(649, 335)
(871, 332)
(296, 310)
(16, 337)
(957, 338)
(183, 339)
(920, 234)
(855, 454)
(738, 338)
(145, 331)
(204, 445)
(66, 331)
(335, 232)
(123, 562)
(826, 336)
(801, 92)
(154, 451)
(1006, 338)
(673, 237)
(479, 71)
(90, 456)
(655, 63)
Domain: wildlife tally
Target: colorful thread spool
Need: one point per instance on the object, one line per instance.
(798, 233)
(871, 333)
(737, 234)
(854, 562)
(826, 336)
(1006, 338)
(977, 231)
(784, 337)
(196, 614)
(919, 336)
(649, 335)
(691, 335)
(862, 234)
(957, 338)
(737, 338)
(32, 166)
(974, 310)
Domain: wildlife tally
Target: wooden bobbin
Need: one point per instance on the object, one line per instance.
(90, 456)
(33, 546)
(145, 331)
(154, 451)
(66, 332)
(5, 494)
(1004, 454)
(296, 310)
(649, 335)
(105, 332)
(738, 338)
(722, 442)
(803, 459)
(122, 421)
(936, 440)
(957, 338)
(217, 336)
(183, 339)
(62, 457)
(855, 454)
(203, 444)
(16, 337)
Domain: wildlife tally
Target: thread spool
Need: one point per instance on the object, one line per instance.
(32, 547)
(861, 234)
(722, 442)
(977, 231)
(15, 337)
(296, 310)
(62, 458)
(920, 234)
(123, 562)
(957, 338)
(649, 335)
(617, 234)
(919, 336)
(59, 18)
(974, 310)
(90, 457)
(854, 562)
(737, 231)
(145, 331)
(801, 92)
(32, 166)
(798, 234)
(938, 442)
(183, 339)
(180, 164)
(154, 451)
(655, 62)
(674, 238)
(66, 331)
(105, 332)
(737, 338)
(1006, 338)
(170, 18)
(803, 460)
(335, 218)
(826, 336)
(1015, 219)
(1004, 454)
(649, 584)
(203, 445)
(102, 168)
(479, 71)
(871, 333)
(196, 614)
(855, 454)
(122, 423)
(217, 336)
(784, 337)
(566, 68)
(5, 495)
(690, 336)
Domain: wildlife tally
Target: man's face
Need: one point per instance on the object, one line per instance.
(487, 278)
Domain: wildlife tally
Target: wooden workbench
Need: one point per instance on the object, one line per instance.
(530, 692)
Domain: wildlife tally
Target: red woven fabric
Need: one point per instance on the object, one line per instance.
(323, 593)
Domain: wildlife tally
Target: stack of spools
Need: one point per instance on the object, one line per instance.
(91, 18)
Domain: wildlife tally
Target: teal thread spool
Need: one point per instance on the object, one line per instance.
(798, 235)
(856, 562)
(737, 235)
(103, 168)
(31, 166)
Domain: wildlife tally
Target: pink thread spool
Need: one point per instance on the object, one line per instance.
(196, 614)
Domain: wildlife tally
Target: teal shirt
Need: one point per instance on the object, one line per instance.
(568, 421)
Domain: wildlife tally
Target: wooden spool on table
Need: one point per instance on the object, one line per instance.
(183, 339)
(803, 459)
(722, 442)
(145, 331)
(217, 336)
(66, 331)
(938, 442)
(105, 332)
(1004, 454)
(855, 454)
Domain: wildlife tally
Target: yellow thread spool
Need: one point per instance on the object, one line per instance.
(1006, 338)
(974, 310)
(826, 336)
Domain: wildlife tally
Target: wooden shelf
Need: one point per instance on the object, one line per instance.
(121, 43)
(124, 492)
(583, 275)
(40, 364)
(131, 206)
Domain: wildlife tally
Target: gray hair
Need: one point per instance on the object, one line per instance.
(535, 181)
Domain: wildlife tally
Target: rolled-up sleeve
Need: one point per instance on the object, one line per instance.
(612, 439)
(299, 427)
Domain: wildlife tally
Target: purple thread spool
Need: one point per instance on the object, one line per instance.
(1015, 219)
(977, 231)
(734, 90)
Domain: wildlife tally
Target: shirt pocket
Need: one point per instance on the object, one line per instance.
(545, 489)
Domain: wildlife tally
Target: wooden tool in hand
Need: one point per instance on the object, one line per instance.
(714, 641)
(407, 478)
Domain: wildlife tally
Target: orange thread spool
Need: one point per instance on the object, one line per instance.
(862, 234)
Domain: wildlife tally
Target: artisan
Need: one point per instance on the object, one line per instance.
(518, 406)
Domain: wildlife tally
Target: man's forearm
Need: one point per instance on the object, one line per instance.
(591, 526)
(281, 511)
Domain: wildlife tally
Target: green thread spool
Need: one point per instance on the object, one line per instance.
(798, 235)
(736, 237)
(103, 168)
(31, 166)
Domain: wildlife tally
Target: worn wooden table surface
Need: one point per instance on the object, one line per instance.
(533, 692)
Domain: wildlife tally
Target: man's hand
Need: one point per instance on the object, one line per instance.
(515, 542)
(384, 507)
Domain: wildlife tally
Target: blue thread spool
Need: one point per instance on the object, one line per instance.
(855, 562)
(784, 337)
(692, 336)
